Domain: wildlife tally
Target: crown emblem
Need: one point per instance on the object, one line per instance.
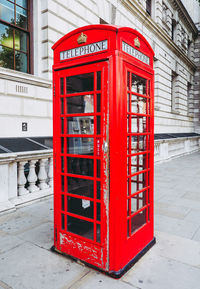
(82, 38)
(137, 42)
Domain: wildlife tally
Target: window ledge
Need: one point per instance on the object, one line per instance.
(22, 77)
(174, 111)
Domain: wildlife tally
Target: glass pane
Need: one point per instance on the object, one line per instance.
(128, 207)
(128, 80)
(80, 125)
(98, 102)
(128, 124)
(138, 124)
(128, 144)
(62, 124)
(62, 183)
(63, 221)
(20, 41)
(80, 227)
(138, 221)
(139, 143)
(138, 84)
(62, 165)
(22, 3)
(6, 36)
(98, 80)
(138, 201)
(128, 187)
(98, 125)
(21, 17)
(61, 85)
(80, 187)
(62, 145)
(7, 11)
(62, 202)
(98, 238)
(138, 182)
(128, 160)
(80, 145)
(138, 163)
(128, 226)
(138, 104)
(21, 61)
(6, 57)
(62, 105)
(98, 190)
(98, 168)
(80, 207)
(80, 166)
(128, 102)
(80, 104)
(80, 83)
(98, 211)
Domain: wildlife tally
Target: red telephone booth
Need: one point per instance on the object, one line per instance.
(103, 146)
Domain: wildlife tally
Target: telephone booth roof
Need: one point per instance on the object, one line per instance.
(108, 39)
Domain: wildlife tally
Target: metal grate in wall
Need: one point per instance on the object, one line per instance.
(9, 145)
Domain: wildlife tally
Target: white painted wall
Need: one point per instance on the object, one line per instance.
(193, 8)
(55, 18)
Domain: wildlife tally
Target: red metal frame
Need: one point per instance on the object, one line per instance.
(124, 161)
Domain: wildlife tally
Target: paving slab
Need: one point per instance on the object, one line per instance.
(154, 271)
(41, 235)
(180, 249)
(196, 236)
(171, 210)
(193, 216)
(30, 267)
(98, 280)
(175, 226)
(8, 242)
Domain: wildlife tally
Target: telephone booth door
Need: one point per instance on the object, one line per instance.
(82, 186)
(139, 158)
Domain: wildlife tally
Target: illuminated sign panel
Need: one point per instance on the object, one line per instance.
(84, 50)
(135, 53)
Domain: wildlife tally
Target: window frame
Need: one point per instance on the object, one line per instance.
(28, 32)
(149, 7)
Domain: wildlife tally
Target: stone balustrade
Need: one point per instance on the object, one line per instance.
(167, 149)
(25, 177)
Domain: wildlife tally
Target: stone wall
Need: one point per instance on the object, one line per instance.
(32, 101)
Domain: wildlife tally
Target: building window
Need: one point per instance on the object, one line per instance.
(189, 99)
(164, 12)
(183, 39)
(173, 29)
(15, 35)
(101, 21)
(174, 93)
(148, 6)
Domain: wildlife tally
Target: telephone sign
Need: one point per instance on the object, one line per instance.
(103, 81)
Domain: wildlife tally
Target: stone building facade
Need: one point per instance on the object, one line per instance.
(29, 28)
(26, 99)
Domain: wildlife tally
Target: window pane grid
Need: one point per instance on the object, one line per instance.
(138, 153)
(82, 106)
(14, 20)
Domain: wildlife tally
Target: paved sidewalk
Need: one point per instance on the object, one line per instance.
(26, 236)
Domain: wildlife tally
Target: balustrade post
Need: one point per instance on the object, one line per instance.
(42, 175)
(21, 179)
(32, 177)
(50, 172)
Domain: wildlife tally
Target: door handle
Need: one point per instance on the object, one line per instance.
(105, 146)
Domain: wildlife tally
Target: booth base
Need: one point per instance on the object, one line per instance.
(112, 274)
